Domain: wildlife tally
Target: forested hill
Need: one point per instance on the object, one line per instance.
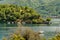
(31, 3)
(45, 7)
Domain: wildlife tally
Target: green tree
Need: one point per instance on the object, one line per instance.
(48, 19)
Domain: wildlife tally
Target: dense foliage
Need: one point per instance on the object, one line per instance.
(57, 37)
(14, 12)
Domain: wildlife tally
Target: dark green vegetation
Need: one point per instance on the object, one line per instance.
(10, 13)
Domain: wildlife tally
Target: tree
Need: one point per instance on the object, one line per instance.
(13, 12)
(29, 34)
(16, 37)
(48, 19)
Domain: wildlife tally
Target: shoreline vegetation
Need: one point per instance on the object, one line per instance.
(26, 34)
(56, 37)
(12, 13)
(29, 34)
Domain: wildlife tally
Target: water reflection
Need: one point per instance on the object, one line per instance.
(54, 22)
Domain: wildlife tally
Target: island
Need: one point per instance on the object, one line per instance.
(11, 13)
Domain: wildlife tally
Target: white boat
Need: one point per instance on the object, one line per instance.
(41, 32)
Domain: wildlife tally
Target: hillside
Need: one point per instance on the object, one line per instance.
(44, 7)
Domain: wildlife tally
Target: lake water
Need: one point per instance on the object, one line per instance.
(49, 30)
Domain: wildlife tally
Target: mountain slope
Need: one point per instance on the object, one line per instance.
(48, 7)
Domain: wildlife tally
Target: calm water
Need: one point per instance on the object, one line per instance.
(49, 30)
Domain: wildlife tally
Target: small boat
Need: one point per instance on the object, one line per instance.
(41, 32)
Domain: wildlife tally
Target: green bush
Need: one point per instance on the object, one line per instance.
(48, 19)
(13, 12)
